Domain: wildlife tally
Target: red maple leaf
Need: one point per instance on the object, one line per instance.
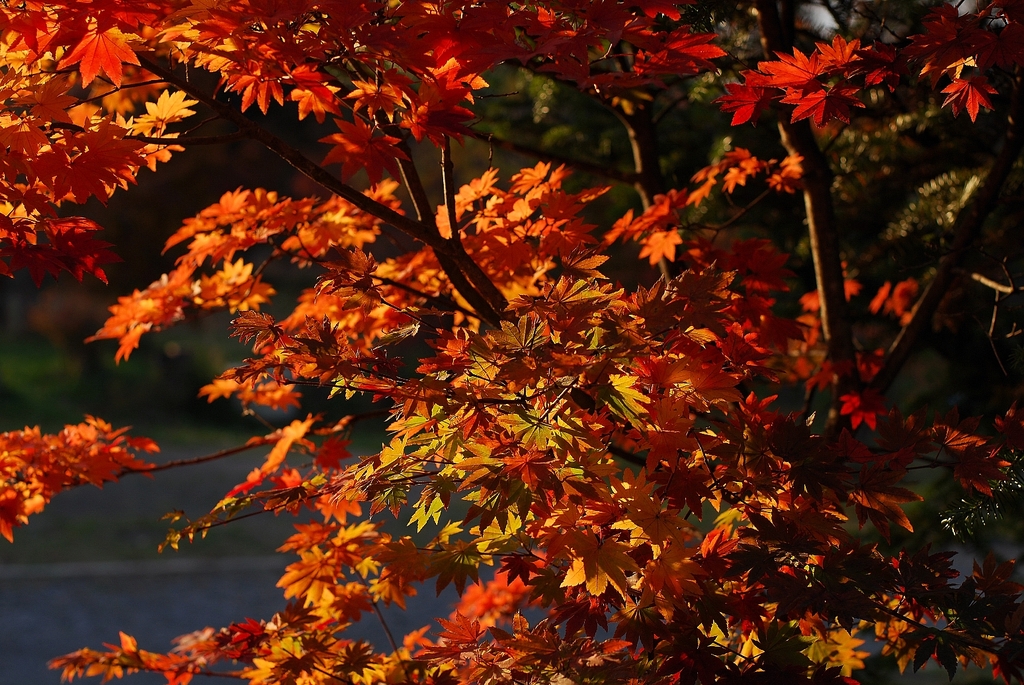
(882, 65)
(823, 104)
(1004, 49)
(661, 245)
(80, 252)
(104, 51)
(863, 407)
(71, 248)
(1011, 425)
(877, 498)
(949, 39)
(313, 94)
(745, 100)
(840, 54)
(357, 148)
(793, 71)
(104, 161)
(970, 94)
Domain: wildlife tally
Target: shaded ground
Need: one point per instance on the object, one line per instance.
(85, 605)
(87, 567)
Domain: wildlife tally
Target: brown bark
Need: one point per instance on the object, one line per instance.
(643, 141)
(798, 139)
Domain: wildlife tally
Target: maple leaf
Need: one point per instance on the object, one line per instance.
(356, 147)
(313, 94)
(332, 453)
(581, 264)
(1004, 49)
(661, 245)
(977, 469)
(104, 161)
(949, 39)
(71, 248)
(795, 72)
(50, 100)
(1011, 425)
(168, 109)
(622, 398)
(877, 498)
(882, 65)
(256, 326)
(80, 252)
(458, 635)
(970, 94)
(371, 95)
(600, 564)
(823, 104)
(863, 407)
(745, 100)
(783, 645)
(101, 51)
(840, 54)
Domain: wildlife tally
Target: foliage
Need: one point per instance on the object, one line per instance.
(586, 439)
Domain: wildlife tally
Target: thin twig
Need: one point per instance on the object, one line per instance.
(441, 300)
(196, 460)
(604, 171)
(966, 229)
(189, 140)
(163, 140)
(998, 287)
(140, 84)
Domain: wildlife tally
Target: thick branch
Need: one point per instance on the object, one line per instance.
(464, 273)
(798, 138)
(966, 230)
(644, 143)
(410, 174)
(448, 185)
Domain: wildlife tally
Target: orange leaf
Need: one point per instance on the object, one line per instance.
(104, 51)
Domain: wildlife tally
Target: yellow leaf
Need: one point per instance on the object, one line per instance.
(286, 437)
(600, 564)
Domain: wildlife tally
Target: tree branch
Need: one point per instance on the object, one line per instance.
(190, 140)
(798, 138)
(164, 140)
(966, 230)
(465, 274)
(587, 167)
(643, 142)
(448, 185)
(439, 301)
(197, 460)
